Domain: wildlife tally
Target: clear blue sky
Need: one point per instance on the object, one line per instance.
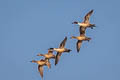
(28, 27)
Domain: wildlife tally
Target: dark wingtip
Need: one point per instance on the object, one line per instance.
(55, 61)
(55, 64)
(78, 50)
(69, 50)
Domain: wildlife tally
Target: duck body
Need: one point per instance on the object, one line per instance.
(40, 62)
(81, 38)
(48, 55)
(85, 25)
(61, 50)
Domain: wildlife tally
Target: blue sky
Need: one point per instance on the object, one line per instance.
(28, 27)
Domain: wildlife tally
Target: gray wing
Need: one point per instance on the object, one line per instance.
(40, 69)
(57, 58)
(87, 16)
(62, 44)
(78, 45)
(82, 30)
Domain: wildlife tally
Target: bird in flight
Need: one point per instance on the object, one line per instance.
(80, 39)
(41, 63)
(48, 55)
(85, 24)
(60, 50)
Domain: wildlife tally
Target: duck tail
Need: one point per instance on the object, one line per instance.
(68, 50)
(88, 39)
(92, 25)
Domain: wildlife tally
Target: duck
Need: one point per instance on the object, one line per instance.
(41, 63)
(48, 55)
(60, 50)
(80, 39)
(85, 24)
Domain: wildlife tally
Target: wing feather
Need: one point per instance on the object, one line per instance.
(62, 44)
(82, 30)
(78, 45)
(87, 16)
(40, 69)
(57, 58)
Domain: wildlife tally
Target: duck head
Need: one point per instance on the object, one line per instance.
(51, 49)
(39, 54)
(33, 61)
(73, 37)
(75, 22)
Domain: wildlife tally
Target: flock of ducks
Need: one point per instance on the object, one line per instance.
(83, 25)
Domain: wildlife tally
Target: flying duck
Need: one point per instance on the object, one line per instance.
(83, 25)
(60, 50)
(41, 63)
(48, 55)
(80, 38)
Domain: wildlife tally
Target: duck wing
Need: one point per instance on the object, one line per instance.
(62, 44)
(57, 58)
(48, 64)
(40, 69)
(87, 16)
(82, 30)
(78, 45)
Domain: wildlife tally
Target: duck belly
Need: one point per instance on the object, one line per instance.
(84, 24)
(81, 38)
(49, 56)
(41, 63)
(60, 50)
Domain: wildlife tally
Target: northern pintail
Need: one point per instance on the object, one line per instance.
(80, 38)
(60, 50)
(83, 25)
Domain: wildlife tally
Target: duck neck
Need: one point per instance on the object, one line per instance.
(73, 37)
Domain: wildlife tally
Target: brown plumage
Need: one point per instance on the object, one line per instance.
(78, 45)
(87, 16)
(48, 55)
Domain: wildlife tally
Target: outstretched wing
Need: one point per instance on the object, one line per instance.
(40, 69)
(57, 58)
(78, 45)
(82, 30)
(62, 44)
(87, 16)
(48, 64)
